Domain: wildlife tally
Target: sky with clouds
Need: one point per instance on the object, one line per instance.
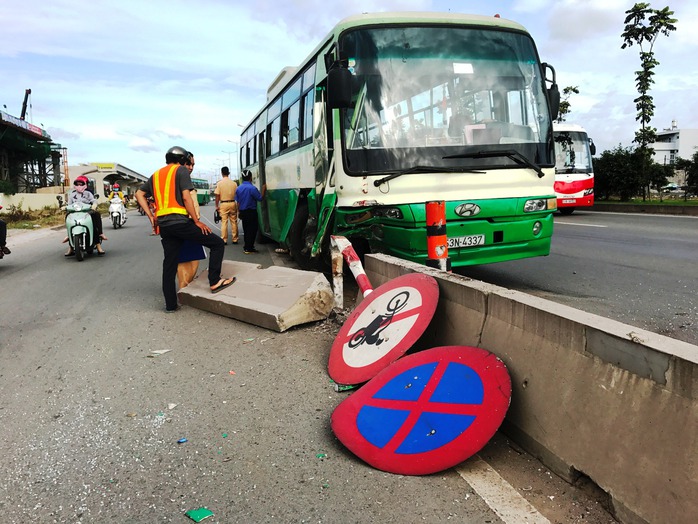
(122, 81)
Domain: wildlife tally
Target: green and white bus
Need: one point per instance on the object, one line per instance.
(203, 190)
(392, 110)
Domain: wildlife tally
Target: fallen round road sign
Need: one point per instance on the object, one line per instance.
(383, 327)
(426, 412)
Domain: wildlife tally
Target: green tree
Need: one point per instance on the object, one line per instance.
(565, 105)
(690, 167)
(7, 187)
(658, 175)
(617, 173)
(643, 25)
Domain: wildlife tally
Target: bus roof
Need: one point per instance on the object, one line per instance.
(366, 19)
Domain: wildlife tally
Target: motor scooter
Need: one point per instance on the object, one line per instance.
(78, 224)
(117, 212)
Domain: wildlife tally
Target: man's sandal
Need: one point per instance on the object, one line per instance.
(222, 284)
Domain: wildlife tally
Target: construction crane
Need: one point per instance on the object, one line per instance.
(27, 92)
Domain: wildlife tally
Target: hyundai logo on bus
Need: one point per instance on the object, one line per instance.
(467, 210)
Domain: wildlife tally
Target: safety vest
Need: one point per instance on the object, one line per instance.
(165, 192)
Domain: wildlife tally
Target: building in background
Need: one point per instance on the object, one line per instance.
(674, 143)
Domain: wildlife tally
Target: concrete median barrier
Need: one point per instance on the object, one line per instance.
(591, 397)
(275, 298)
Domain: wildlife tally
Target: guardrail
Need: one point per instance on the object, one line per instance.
(591, 396)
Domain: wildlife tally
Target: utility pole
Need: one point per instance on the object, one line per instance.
(228, 152)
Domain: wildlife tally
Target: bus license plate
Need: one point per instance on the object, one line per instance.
(569, 201)
(468, 241)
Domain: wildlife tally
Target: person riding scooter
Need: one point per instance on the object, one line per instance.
(117, 208)
(81, 194)
(117, 193)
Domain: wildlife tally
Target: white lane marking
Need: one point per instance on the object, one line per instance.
(498, 494)
(578, 224)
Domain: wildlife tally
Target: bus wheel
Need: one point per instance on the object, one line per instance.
(566, 210)
(300, 238)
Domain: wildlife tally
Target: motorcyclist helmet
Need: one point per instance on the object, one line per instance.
(117, 187)
(80, 184)
(176, 155)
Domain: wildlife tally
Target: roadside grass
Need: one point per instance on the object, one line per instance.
(49, 216)
(667, 200)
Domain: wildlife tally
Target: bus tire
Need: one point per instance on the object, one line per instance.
(297, 235)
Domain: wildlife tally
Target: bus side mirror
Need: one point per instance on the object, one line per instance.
(554, 100)
(592, 147)
(339, 81)
(553, 91)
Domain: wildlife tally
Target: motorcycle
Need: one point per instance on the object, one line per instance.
(117, 212)
(78, 224)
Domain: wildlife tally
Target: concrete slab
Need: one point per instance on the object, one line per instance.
(275, 298)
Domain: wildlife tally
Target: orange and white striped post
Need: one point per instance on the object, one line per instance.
(437, 241)
(342, 250)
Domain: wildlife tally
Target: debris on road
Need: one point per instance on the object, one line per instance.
(197, 515)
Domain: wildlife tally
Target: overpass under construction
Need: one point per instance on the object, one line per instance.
(30, 162)
(29, 159)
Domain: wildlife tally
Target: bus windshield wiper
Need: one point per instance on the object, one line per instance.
(508, 153)
(421, 169)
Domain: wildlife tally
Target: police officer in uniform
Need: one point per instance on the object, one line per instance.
(226, 205)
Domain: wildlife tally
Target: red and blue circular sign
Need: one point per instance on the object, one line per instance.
(426, 412)
(383, 327)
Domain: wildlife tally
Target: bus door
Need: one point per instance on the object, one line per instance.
(325, 169)
(264, 207)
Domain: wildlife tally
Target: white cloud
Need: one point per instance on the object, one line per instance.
(121, 80)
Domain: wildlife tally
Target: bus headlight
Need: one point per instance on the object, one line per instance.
(537, 227)
(531, 206)
(540, 204)
(388, 212)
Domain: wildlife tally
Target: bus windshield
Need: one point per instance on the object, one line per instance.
(436, 97)
(572, 153)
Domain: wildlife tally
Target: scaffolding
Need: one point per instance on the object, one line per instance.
(28, 158)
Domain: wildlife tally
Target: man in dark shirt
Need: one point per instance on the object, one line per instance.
(175, 217)
(247, 196)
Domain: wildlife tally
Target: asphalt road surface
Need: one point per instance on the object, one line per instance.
(98, 386)
(641, 270)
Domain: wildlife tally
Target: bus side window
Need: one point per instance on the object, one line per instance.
(290, 123)
(284, 131)
(308, 116)
(274, 137)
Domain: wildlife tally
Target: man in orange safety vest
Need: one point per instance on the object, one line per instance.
(177, 221)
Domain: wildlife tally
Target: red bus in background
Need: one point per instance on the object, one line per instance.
(574, 172)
